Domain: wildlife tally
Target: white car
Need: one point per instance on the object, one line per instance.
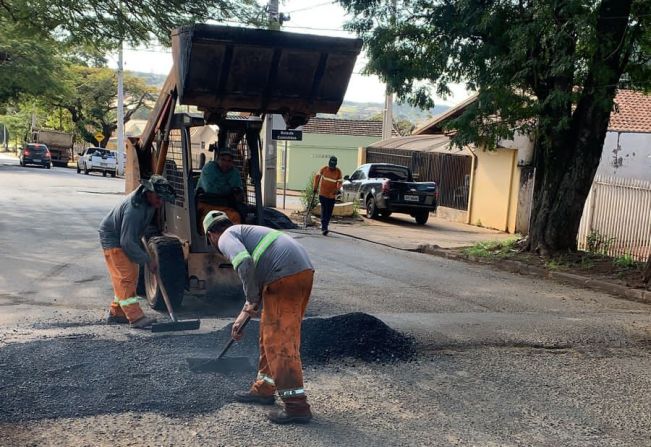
(97, 159)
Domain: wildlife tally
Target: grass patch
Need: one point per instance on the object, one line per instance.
(495, 249)
(625, 262)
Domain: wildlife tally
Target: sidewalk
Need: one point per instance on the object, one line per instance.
(401, 232)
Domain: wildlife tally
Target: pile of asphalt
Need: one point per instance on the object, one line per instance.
(86, 374)
(355, 335)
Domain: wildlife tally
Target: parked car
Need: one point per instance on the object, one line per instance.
(97, 159)
(35, 154)
(383, 188)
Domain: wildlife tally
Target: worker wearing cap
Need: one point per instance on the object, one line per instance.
(224, 182)
(120, 234)
(327, 183)
(276, 274)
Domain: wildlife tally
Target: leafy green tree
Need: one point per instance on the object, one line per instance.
(39, 38)
(91, 100)
(103, 23)
(547, 67)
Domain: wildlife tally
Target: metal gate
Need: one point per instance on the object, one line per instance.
(451, 172)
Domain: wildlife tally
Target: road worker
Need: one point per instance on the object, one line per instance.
(120, 234)
(327, 183)
(220, 188)
(277, 277)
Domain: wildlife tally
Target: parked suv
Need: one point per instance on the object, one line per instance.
(97, 159)
(35, 154)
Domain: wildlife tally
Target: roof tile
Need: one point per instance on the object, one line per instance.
(356, 128)
(631, 113)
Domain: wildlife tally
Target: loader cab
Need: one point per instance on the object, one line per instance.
(183, 169)
(204, 267)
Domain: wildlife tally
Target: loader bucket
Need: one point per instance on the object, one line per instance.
(222, 69)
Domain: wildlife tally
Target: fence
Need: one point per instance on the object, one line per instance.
(450, 172)
(617, 218)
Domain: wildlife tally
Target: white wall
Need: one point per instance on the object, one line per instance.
(631, 160)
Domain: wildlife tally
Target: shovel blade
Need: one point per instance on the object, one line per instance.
(172, 326)
(224, 365)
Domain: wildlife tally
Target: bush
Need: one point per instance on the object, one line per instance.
(307, 194)
(626, 261)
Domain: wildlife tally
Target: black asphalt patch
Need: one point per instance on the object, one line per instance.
(73, 377)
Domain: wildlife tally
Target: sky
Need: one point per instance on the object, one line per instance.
(307, 16)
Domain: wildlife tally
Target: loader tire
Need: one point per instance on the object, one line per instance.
(168, 252)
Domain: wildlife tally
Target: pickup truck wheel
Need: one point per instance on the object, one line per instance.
(371, 208)
(386, 214)
(421, 217)
(168, 252)
(113, 174)
(86, 171)
(103, 173)
(78, 170)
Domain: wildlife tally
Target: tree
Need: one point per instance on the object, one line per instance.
(547, 67)
(91, 101)
(27, 65)
(39, 38)
(102, 24)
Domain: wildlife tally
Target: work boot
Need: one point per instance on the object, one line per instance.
(115, 319)
(296, 411)
(143, 323)
(247, 397)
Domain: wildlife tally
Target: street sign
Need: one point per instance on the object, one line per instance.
(99, 136)
(287, 135)
(280, 132)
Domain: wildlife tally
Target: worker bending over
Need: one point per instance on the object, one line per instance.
(120, 234)
(276, 274)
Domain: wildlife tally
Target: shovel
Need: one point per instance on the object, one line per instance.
(221, 364)
(174, 325)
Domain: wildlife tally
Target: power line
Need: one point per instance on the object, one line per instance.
(311, 7)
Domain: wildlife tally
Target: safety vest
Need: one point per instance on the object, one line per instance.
(258, 251)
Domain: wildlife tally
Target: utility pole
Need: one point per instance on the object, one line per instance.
(387, 115)
(120, 129)
(270, 157)
(120, 117)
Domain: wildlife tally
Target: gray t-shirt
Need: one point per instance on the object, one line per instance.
(125, 225)
(257, 268)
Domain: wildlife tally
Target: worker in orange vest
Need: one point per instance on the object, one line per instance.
(327, 183)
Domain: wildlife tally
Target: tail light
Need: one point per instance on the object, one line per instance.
(26, 152)
(385, 186)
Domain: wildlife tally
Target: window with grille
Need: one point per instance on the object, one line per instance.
(174, 166)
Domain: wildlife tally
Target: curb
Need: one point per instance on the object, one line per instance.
(639, 295)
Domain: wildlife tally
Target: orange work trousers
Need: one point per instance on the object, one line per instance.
(283, 306)
(124, 276)
(203, 209)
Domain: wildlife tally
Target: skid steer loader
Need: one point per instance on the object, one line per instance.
(234, 77)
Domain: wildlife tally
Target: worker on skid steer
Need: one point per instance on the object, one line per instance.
(276, 274)
(220, 188)
(120, 234)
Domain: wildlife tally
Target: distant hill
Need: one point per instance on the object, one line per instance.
(348, 110)
(373, 110)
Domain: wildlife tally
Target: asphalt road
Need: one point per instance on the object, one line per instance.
(502, 359)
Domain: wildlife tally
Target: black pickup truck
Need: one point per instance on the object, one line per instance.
(384, 188)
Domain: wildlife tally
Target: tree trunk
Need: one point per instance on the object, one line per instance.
(567, 159)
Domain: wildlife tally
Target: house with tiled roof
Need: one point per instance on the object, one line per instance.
(322, 138)
(627, 147)
(499, 191)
